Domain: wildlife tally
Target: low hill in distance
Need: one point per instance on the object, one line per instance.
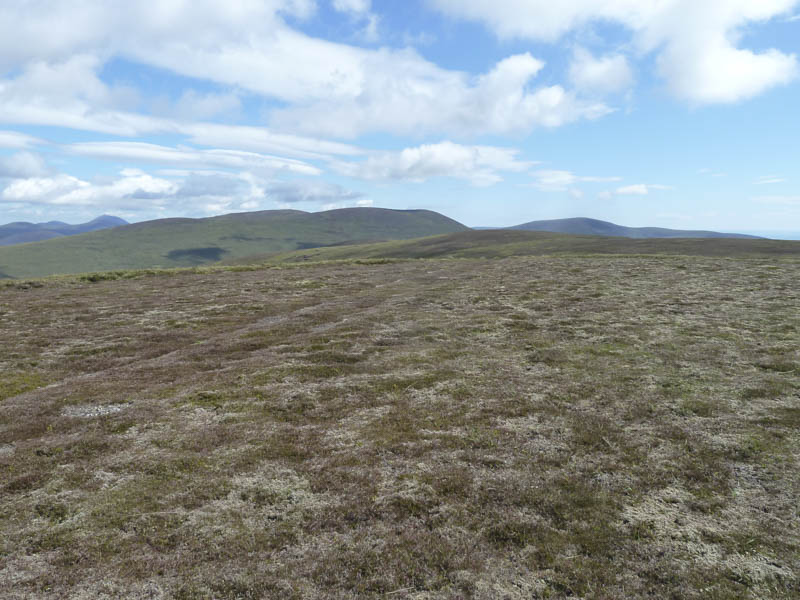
(22, 232)
(503, 243)
(191, 242)
(584, 226)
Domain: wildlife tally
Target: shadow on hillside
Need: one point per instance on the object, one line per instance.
(197, 256)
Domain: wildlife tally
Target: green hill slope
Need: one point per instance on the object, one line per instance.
(504, 243)
(584, 226)
(189, 242)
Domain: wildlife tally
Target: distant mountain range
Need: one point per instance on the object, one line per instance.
(584, 226)
(190, 242)
(22, 232)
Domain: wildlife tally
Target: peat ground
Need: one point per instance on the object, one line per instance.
(534, 427)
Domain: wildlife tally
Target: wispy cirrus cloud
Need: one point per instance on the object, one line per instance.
(15, 139)
(190, 157)
(769, 179)
(556, 180)
(779, 200)
(641, 189)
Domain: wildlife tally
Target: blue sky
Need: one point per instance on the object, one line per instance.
(495, 112)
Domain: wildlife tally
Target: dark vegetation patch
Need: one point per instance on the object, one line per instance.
(305, 245)
(197, 255)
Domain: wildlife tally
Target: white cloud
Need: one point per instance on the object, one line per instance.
(769, 179)
(188, 192)
(138, 192)
(352, 6)
(132, 187)
(339, 90)
(293, 192)
(234, 159)
(338, 205)
(371, 30)
(111, 26)
(400, 92)
(331, 89)
(14, 139)
(260, 139)
(640, 189)
(606, 74)
(780, 200)
(85, 103)
(193, 106)
(22, 165)
(559, 181)
(716, 72)
(696, 42)
(481, 165)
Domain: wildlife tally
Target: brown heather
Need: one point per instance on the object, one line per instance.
(618, 427)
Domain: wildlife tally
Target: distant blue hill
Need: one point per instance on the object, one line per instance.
(584, 226)
(22, 232)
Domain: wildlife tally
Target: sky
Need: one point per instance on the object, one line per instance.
(670, 113)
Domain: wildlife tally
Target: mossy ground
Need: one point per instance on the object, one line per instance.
(621, 427)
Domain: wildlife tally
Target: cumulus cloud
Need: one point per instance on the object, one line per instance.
(111, 26)
(333, 89)
(138, 192)
(603, 75)
(336, 205)
(330, 88)
(68, 190)
(203, 184)
(695, 42)
(640, 189)
(293, 192)
(480, 165)
(178, 190)
(400, 92)
(22, 165)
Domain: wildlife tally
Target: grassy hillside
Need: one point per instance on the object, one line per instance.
(584, 226)
(533, 427)
(505, 243)
(187, 242)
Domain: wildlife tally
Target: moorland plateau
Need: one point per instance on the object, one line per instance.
(511, 417)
